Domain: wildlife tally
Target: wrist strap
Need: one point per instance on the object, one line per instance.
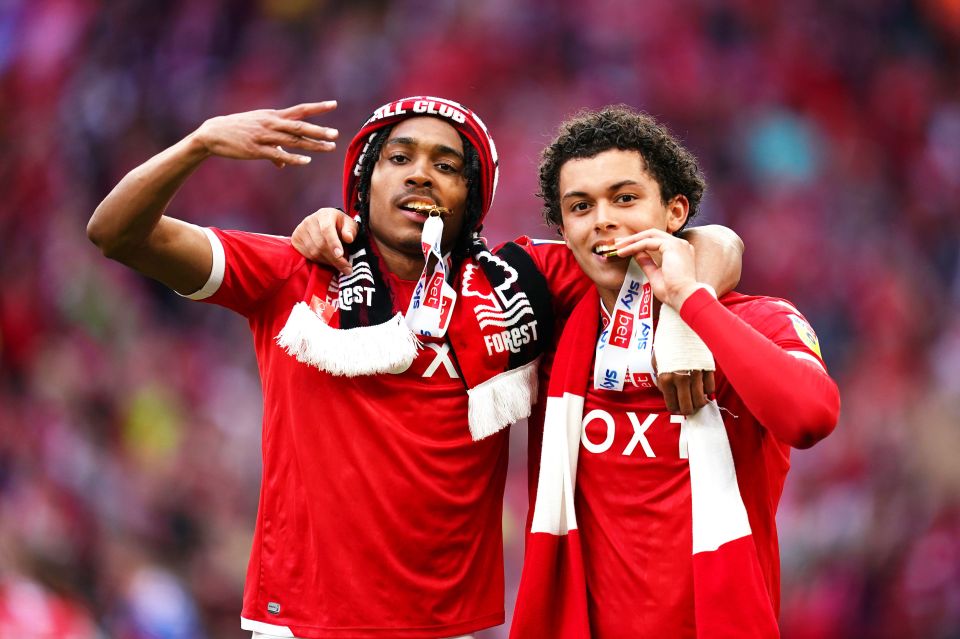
(677, 347)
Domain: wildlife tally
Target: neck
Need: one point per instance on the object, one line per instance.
(608, 299)
(403, 264)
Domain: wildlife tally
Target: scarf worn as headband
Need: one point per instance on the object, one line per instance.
(453, 113)
(730, 599)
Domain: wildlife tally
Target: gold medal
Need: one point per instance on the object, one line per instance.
(430, 209)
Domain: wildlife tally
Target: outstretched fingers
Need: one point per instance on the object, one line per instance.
(288, 129)
(307, 109)
(275, 138)
(306, 130)
(281, 157)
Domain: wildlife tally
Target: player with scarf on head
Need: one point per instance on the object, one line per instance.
(385, 390)
(488, 315)
(646, 524)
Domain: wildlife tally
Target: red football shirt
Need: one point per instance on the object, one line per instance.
(633, 491)
(378, 515)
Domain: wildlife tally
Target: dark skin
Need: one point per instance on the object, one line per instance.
(130, 225)
(320, 237)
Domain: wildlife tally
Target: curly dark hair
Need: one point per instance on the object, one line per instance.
(471, 171)
(589, 133)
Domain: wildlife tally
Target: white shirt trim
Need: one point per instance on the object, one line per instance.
(536, 241)
(265, 628)
(217, 270)
(809, 358)
(788, 306)
(258, 633)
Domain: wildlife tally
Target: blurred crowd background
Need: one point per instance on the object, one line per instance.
(130, 419)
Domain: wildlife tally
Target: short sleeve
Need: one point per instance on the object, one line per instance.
(248, 268)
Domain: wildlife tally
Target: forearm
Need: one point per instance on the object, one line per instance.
(719, 256)
(792, 397)
(127, 217)
(129, 225)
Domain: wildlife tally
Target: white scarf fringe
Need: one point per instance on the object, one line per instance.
(502, 400)
(366, 350)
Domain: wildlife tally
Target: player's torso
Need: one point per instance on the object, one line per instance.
(633, 511)
(378, 510)
(634, 508)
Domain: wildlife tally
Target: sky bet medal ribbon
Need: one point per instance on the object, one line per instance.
(429, 310)
(626, 343)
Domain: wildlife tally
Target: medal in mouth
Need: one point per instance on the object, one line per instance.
(432, 210)
(606, 251)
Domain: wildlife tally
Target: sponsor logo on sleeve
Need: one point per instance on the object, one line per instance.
(805, 333)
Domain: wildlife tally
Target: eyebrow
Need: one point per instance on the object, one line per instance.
(439, 149)
(613, 187)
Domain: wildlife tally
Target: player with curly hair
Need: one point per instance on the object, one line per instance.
(647, 523)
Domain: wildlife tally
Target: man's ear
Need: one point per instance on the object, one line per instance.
(677, 211)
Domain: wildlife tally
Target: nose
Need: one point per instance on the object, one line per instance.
(419, 175)
(605, 216)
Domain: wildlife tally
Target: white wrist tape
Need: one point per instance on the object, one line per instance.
(677, 347)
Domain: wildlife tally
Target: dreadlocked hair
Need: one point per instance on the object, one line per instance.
(589, 133)
(466, 244)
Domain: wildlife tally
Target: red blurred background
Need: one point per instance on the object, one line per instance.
(829, 131)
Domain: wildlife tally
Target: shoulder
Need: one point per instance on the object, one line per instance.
(251, 268)
(776, 318)
(749, 307)
(550, 256)
(540, 246)
(257, 248)
(263, 240)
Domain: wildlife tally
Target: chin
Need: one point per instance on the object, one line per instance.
(610, 278)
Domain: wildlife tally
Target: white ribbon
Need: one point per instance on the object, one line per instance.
(625, 346)
(431, 305)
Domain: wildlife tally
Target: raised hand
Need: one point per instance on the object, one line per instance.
(668, 261)
(263, 134)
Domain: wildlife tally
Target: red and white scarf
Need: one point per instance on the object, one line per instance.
(730, 598)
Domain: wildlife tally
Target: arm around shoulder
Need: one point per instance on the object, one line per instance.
(719, 256)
